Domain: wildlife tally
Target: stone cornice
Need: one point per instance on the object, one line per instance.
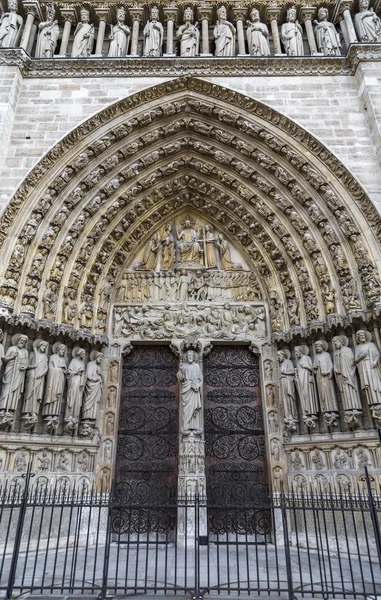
(202, 67)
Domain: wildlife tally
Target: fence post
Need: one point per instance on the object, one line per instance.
(103, 593)
(196, 546)
(18, 536)
(373, 515)
(290, 584)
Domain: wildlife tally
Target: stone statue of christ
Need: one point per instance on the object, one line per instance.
(190, 378)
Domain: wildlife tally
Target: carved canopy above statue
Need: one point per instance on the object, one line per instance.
(302, 224)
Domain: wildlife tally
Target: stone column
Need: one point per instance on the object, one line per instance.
(137, 17)
(32, 37)
(31, 12)
(170, 15)
(273, 15)
(344, 30)
(307, 13)
(239, 16)
(70, 19)
(205, 17)
(103, 15)
(344, 8)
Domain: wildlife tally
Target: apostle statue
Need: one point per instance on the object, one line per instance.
(367, 23)
(305, 384)
(83, 36)
(153, 35)
(10, 25)
(323, 368)
(168, 248)
(16, 364)
(189, 35)
(190, 379)
(224, 34)
(257, 35)
(345, 372)
(327, 38)
(287, 388)
(76, 384)
(188, 244)
(55, 384)
(94, 387)
(120, 35)
(292, 35)
(35, 380)
(367, 359)
(49, 32)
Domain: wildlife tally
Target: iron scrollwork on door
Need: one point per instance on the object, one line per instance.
(146, 470)
(234, 443)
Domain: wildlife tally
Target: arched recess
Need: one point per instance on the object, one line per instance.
(304, 224)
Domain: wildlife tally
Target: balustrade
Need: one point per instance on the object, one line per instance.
(307, 23)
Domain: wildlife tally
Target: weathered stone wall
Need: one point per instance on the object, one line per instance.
(342, 111)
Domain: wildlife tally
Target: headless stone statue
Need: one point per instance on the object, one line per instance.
(10, 25)
(367, 23)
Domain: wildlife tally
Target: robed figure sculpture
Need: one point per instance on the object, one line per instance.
(190, 378)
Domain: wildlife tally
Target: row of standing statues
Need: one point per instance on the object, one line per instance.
(313, 381)
(40, 382)
(366, 22)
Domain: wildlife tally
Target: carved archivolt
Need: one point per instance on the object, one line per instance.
(304, 225)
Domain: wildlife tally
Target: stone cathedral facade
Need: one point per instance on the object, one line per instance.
(190, 246)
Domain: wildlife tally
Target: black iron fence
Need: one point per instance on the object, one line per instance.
(294, 545)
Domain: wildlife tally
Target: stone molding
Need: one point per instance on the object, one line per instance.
(247, 66)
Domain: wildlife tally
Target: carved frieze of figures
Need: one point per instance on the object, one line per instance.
(188, 35)
(184, 285)
(225, 322)
(327, 38)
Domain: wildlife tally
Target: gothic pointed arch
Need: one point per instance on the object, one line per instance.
(304, 226)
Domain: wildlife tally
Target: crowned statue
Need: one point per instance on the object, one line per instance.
(257, 35)
(367, 23)
(291, 34)
(49, 32)
(188, 244)
(189, 35)
(327, 38)
(153, 35)
(83, 36)
(10, 25)
(120, 35)
(224, 34)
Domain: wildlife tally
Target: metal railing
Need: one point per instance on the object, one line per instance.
(300, 545)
